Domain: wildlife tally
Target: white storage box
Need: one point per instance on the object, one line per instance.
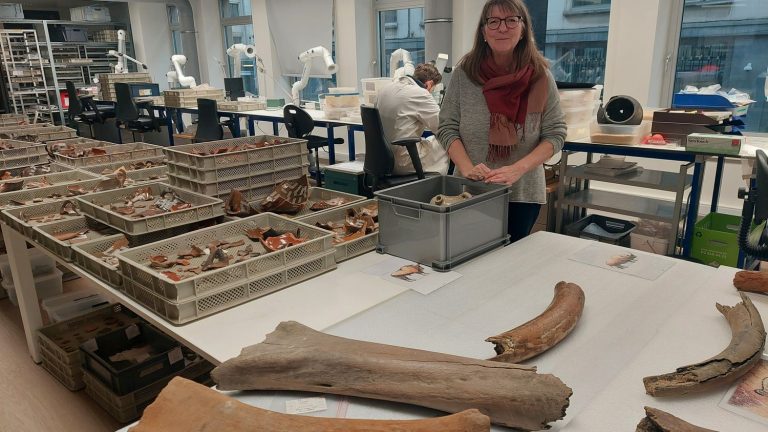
(577, 131)
(11, 11)
(90, 13)
(619, 134)
(66, 306)
(374, 84)
(47, 286)
(582, 114)
(41, 263)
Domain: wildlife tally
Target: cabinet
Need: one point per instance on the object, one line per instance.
(575, 195)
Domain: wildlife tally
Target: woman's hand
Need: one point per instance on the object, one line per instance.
(478, 173)
(507, 175)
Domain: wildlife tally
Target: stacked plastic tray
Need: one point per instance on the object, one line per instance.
(60, 342)
(22, 219)
(212, 291)
(13, 150)
(337, 216)
(107, 82)
(88, 256)
(187, 98)
(251, 171)
(37, 133)
(13, 119)
(66, 177)
(112, 154)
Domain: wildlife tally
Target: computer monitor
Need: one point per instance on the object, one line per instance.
(234, 88)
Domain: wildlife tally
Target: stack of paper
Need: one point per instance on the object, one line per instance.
(611, 166)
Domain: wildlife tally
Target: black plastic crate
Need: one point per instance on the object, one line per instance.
(601, 228)
(163, 357)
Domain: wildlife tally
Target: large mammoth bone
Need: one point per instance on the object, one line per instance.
(295, 357)
(185, 406)
(544, 331)
(752, 281)
(656, 420)
(744, 351)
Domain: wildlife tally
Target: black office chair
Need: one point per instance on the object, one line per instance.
(83, 109)
(300, 125)
(128, 114)
(209, 125)
(379, 159)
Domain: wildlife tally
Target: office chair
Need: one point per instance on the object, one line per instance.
(209, 126)
(379, 159)
(128, 115)
(83, 109)
(299, 125)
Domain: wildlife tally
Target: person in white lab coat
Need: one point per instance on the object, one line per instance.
(407, 108)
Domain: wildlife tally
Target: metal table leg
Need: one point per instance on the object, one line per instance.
(168, 124)
(24, 284)
(718, 180)
(693, 205)
(351, 142)
(331, 150)
(251, 126)
(275, 128)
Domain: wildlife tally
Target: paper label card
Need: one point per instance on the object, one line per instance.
(306, 405)
(748, 397)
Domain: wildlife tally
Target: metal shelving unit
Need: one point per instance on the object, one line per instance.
(24, 69)
(575, 195)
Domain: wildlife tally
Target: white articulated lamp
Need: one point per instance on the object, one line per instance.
(236, 51)
(121, 56)
(306, 58)
(177, 75)
(394, 61)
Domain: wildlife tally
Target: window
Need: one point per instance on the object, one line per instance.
(724, 42)
(238, 29)
(174, 24)
(575, 43)
(401, 28)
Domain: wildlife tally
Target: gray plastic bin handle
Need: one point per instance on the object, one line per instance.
(406, 212)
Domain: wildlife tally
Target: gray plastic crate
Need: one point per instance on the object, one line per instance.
(53, 168)
(442, 237)
(79, 142)
(114, 154)
(63, 249)
(128, 408)
(38, 134)
(13, 119)
(148, 175)
(23, 161)
(187, 98)
(203, 208)
(109, 168)
(184, 155)
(227, 297)
(55, 179)
(316, 194)
(21, 149)
(223, 188)
(237, 171)
(46, 194)
(15, 217)
(84, 257)
(134, 263)
(348, 249)
(71, 376)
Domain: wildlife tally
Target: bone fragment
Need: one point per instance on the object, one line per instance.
(752, 281)
(656, 420)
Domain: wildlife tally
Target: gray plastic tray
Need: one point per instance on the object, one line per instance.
(54, 168)
(80, 142)
(38, 134)
(23, 161)
(63, 249)
(13, 119)
(134, 263)
(442, 237)
(348, 249)
(21, 149)
(223, 188)
(148, 175)
(7, 199)
(237, 171)
(55, 179)
(198, 307)
(115, 153)
(204, 208)
(13, 216)
(84, 257)
(315, 194)
(111, 167)
(184, 155)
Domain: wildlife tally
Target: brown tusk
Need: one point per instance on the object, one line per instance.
(295, 357)
(656, 420)
(752, 281)
(744, 351)
(186, 406)
(544, 331)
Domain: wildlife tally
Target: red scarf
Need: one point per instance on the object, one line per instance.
(507, 96)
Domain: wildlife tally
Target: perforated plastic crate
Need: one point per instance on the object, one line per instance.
(84, 255)
(237, 171)
(114, 154)
(79, 142)
(185, 155)
(23, 161)
(63, 248)
(223, 188)
(52, 167)
(13, 119)
(107, 169)
(134, 262)
(17, 217)
(187, 98)
(203, 208)
(20, 149)
(42, 195)
(148, 175)
(240, 106)
(348, 249)
(54, 179)
(38, 134)
(233, 295)
(316, 195)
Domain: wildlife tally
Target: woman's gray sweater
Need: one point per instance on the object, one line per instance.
(464, 114)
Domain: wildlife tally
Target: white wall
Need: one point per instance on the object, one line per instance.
(466, 15)
(152, 38)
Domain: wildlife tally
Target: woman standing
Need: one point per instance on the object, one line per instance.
(500, 119)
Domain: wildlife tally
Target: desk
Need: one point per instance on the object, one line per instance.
(630, 328)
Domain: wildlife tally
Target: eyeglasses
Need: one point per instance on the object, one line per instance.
(511, 22)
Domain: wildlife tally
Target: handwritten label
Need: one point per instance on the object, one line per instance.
(306, 405)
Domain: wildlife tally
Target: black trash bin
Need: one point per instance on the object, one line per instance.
(602, 228)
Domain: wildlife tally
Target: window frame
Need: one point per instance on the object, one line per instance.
(388, 5)
(571, 9)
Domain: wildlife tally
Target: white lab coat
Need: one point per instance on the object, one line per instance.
(407, 110)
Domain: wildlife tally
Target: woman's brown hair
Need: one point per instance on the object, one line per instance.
(525, 52)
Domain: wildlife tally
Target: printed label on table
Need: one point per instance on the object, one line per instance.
(132, 331)
(306, 405)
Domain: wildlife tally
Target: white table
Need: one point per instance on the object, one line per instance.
(630, 328)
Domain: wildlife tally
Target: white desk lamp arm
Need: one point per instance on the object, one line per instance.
(394, 60)
(306, 58)
(185, 81)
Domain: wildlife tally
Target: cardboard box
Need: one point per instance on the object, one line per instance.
(714, 143)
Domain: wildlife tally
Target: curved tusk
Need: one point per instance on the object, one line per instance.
(544, 331)
(186, 406)
(656, 420)
(744, 351)
(752, 281)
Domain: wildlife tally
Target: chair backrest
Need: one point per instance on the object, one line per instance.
(208, 126)
(379, 159)
(75, 107)
(125, 108)
(298, 122)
